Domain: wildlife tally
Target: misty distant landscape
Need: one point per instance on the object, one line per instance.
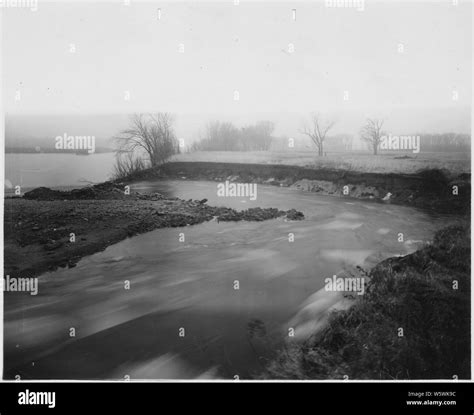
(237, 191)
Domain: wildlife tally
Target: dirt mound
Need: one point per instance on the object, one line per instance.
(102, 191)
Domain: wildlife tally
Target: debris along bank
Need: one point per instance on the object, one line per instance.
(46, 228)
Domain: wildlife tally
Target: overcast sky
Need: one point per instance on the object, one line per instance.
(244, 48)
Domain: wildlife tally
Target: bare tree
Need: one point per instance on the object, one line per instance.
(372, 133)
(317, 131)
(151, 134)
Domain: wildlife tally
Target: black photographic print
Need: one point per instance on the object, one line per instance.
(236, 191)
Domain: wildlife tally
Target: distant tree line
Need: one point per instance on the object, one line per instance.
(150, 140)
(372, 134)
(52, 150)
(447, 142)
(224, 136)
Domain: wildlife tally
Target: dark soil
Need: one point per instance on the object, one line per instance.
(429, 189)
(47, 228)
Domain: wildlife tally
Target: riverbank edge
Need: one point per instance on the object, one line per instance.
(413, 322)
(49, 229)
(434, 190)
(387, 270)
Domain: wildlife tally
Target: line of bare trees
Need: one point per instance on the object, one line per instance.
(372, 133)
(317, 129)
(224, 136)
(151, 140)
(445, 142)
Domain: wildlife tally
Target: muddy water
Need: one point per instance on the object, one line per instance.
(154, 306)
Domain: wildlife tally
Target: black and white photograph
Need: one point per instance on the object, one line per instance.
(233, 191)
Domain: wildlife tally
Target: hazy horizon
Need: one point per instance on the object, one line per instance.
(245, 48)
(190, 127)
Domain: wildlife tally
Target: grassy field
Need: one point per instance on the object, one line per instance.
(455, 163)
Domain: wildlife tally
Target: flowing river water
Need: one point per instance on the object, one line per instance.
(182, 316)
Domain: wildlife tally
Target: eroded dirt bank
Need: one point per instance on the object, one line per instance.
(430, 189)
(47, 229)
